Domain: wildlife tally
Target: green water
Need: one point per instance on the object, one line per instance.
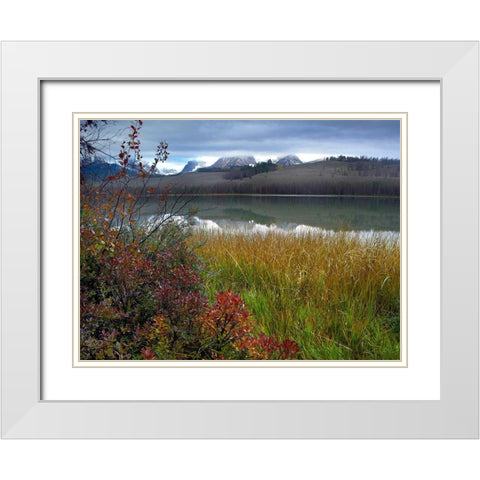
(329, 212)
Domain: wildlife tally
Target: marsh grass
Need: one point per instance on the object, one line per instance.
(337, 296)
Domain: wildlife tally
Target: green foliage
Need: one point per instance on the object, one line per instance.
(336, 296)
(248, 171)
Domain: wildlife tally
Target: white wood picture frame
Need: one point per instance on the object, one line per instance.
(26, 64)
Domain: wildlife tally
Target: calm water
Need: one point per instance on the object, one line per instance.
(332, 213)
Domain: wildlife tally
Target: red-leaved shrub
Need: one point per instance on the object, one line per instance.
(141, 286)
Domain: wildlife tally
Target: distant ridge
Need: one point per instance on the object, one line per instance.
(100, 169)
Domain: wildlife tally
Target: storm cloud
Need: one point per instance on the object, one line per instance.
(207, 140)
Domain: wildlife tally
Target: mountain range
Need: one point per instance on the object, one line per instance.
(249, 160)
(99, 168)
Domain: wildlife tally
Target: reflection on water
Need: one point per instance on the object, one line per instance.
(290, 229)
(288, 212)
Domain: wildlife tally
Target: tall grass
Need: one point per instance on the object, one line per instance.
(336, 295)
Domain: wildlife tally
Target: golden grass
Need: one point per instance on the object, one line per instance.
(337, 295)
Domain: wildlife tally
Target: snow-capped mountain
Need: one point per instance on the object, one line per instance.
(288, 160)
(167, 171)
(234, 161)
(192, 165)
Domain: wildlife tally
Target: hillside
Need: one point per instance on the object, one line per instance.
(332, 177)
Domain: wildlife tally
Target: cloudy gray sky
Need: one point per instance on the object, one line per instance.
(207, 140)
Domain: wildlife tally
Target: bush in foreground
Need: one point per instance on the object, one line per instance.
(141, 286)
(141, 303)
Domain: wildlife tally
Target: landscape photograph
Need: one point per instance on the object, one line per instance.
(239, 239)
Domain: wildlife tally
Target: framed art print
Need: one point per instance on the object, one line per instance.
(209, 247)
(214, 222)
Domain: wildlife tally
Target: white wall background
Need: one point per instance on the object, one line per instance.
(239, 20)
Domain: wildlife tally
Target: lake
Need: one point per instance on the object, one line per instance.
(284, 211)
